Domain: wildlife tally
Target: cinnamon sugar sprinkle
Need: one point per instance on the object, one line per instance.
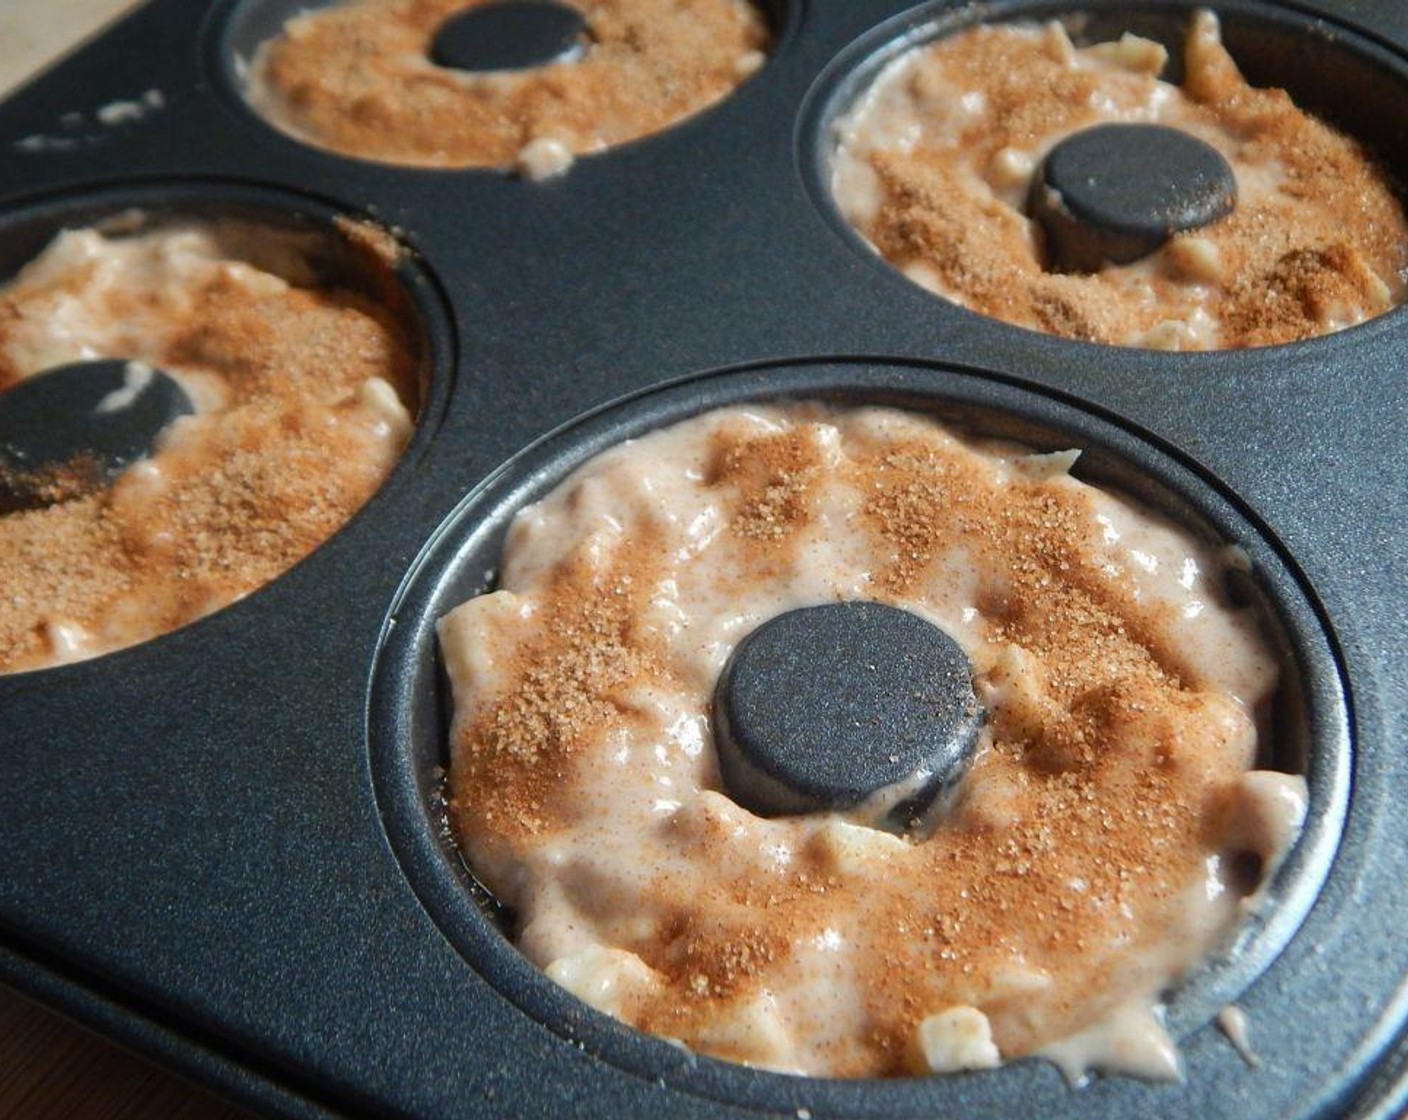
(1077, 875)
(934, 163)
(297, 422)
(356, 78)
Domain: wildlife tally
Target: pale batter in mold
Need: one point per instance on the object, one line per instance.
(356, 78)
(934, 161)
(298, 417)
(1093, 854)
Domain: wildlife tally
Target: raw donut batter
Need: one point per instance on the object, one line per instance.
(934, 163)
(1095, 852)
(356, 78)
(297, 421)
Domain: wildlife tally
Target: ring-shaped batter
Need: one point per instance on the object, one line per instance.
(357, 78)
(935, 161)
(297, 384)
(1109, 835)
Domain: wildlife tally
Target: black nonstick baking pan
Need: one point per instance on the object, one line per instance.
(225, 847)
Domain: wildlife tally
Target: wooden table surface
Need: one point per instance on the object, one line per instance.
(49, 1068)
(53, 1070)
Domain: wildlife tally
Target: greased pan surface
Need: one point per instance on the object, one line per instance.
(221, 846)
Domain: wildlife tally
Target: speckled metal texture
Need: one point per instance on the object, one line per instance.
(224, 847)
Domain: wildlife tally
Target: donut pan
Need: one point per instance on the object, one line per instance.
(225, 847)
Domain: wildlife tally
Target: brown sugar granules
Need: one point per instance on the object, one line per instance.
(1316, 243)
(570, 688)
(356, 78)
(1074, 875)
(297, 422)
(773, 478)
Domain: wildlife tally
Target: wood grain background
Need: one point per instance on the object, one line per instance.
(53, 1070)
